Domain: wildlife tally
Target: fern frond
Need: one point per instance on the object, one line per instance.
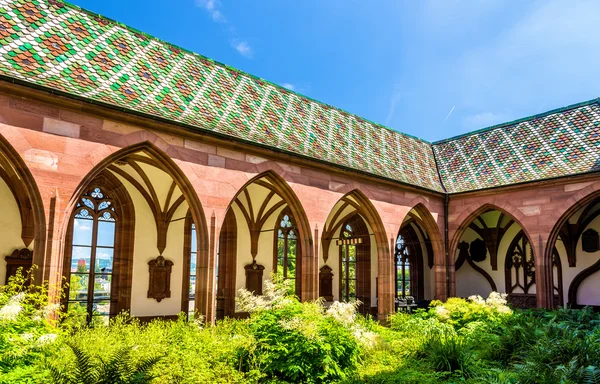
(85, 370)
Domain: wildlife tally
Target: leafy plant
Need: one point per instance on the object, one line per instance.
(449, 354)
(117, 369)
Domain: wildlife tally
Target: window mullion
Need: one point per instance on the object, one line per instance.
(92, 272)
(285, 250)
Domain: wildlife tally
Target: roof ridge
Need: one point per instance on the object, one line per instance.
(517, 121)
(135, 30)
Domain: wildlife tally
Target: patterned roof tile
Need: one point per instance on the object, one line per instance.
(51, 44)
(556, 144)
(56, 45)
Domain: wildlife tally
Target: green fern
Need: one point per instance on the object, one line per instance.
(591, 375)
(117, 369)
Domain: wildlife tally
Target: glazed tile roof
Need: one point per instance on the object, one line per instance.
(554, 144)
(60, 46)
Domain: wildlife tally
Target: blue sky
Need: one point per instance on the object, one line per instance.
(431, 68)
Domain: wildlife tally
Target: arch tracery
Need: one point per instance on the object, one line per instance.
(354, 206)
(271, 233)
(165, 193)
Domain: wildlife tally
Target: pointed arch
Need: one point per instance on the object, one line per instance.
(31, 206)
(514, 216)
(427, 221)
(472, 212)
(122, 210)
(204, 265)
(309, 272)
(562, 220)
(365, 208)
(435, 245)
(579, 201)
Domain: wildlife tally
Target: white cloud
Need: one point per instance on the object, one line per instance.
(81, 227)
(243, 48)
(289, 86)
(546, 57)
(211, 7)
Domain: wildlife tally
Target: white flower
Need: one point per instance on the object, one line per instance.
(18, 297)
(10, 311)
(274, 296)
(442, 312)
(496, 299)
(366, 338)
(345, 313)
(47, 339)
(477, 299)
(199, 321)
(27, 336)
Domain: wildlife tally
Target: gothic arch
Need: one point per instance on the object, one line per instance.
(123, 242)
(425, 222)
(492, 237)
(31, 207)
(578, 201)
(575, 206)
(433, 230)
(204, 287)
(309, 272)
(472, 212)
(363, 206)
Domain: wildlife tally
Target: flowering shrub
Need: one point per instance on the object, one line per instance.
(460, 312)
(302, 342)
(26, 336)
(473, 340)
(276, 294)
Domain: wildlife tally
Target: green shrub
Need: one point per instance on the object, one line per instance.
(472, 340)
(460, 312)
(303, 342)
(117, 369)
(449, 353)
(26, 335)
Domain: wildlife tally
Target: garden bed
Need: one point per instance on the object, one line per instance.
(283, 340)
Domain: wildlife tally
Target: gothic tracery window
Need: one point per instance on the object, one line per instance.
(347, 264)
(92, 256)
(287, 245)
(402, 256)
(520, 266)
(193, 253)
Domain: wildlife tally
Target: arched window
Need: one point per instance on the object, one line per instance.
(409, 261)
(287, 246)
(348, 264)
(403, 283)
(519, 269)
(519, 266)
(91, 283)
(190, 250)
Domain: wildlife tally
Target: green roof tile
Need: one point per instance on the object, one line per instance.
(60, 47)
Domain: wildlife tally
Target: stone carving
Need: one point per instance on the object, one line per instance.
(160, 278)
(478, 250)
(20, 258)
(326, 283)
(590, 241)
(254, 277)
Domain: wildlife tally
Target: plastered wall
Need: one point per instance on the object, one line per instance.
(10, 227)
